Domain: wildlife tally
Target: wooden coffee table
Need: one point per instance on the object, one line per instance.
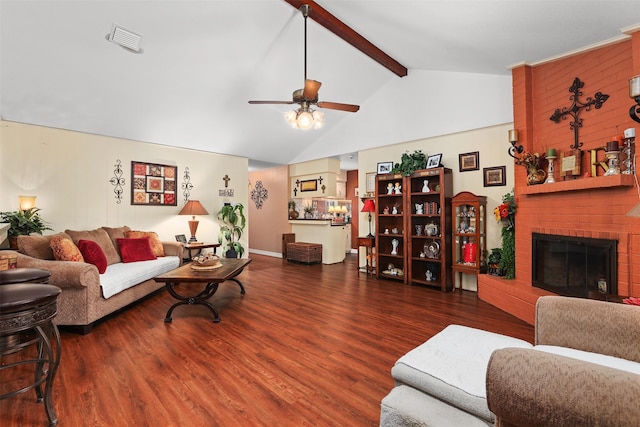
(211, 278)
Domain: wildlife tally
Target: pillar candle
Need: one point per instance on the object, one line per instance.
(551, 152)
(634, 87)
(612, 146)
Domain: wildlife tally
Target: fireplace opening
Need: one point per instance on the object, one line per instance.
(574, 266)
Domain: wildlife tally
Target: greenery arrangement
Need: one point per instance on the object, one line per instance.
(232, 223)
(293, 210)
(493, 260)
(506, 213)
(409, 163)
(24, 222)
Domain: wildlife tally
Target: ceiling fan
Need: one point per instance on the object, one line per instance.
(306, 117)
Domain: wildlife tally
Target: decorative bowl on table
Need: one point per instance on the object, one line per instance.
(207, 261)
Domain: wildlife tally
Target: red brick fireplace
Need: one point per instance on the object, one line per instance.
(593, 207)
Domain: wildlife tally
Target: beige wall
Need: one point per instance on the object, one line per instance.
(69, 172)
(271, 221)
(492, 144)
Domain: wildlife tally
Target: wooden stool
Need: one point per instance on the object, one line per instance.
(26, 314)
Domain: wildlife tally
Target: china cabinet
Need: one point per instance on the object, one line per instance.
(469, 230)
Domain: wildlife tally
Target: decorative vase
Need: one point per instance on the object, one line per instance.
(535, 177)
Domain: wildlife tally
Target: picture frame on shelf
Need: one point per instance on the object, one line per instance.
(371, 182)
(181, 238)
(434, 161)
(384, 167)
(494, 176)
(469, 161)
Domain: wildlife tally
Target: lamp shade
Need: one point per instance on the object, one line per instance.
(26, 202)
(369, 206)
(193, 207)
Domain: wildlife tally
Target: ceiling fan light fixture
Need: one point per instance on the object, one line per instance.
(305, 120)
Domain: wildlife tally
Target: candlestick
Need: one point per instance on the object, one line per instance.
(551, 159)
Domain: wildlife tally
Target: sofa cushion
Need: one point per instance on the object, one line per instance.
(65, 250)
(93, 254)
(99, 236)
(121, 276)
(37, 246)
(136, 249)
(116, 233)
(452, 366)
(156, 244)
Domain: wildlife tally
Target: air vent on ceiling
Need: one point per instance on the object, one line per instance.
(125, 38)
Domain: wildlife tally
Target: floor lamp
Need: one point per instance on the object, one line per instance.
(193, 208)
(369, 206)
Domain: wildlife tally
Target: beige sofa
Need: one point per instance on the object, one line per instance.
(81, 302)
(584, 370)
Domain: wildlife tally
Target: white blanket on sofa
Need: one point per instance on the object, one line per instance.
(121, 276)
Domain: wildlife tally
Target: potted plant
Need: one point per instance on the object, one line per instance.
(308, 212)
(232, 223)
(23, 223)
(293, 210)
(410, 162)
(494, 262)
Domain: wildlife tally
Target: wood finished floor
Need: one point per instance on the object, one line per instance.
(306, 346)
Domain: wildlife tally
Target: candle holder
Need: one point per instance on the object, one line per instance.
(550, 179)
(614, 163)
(629, 152)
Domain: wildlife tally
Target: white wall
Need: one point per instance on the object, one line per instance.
(492, 144)
(69, 172)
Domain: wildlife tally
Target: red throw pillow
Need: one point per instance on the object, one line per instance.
(136, 249)
(93, 254)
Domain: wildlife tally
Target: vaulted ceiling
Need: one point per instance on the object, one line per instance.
(203, 60)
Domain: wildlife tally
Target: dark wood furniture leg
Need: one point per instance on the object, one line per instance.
(200, 299)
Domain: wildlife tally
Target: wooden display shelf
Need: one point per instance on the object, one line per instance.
(594, 183)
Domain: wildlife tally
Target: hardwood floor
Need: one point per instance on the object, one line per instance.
(305, 346)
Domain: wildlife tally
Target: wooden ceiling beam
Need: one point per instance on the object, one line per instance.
(348, 34)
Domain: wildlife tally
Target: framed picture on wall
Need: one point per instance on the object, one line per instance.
(371, 182)
(469, 161)
(494, 176)
(153, 184)
(309, 185)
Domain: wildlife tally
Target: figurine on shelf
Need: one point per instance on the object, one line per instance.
(394, 244)
(389, 188)
(386, 210)
(425, 186)
(419, 208)
(394, 210)
(428, 275)
(397, 188)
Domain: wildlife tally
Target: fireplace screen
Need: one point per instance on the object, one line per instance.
(574, 266)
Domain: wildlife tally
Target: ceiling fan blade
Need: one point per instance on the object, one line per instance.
(311, 88)
(338, 106)
(270, 102)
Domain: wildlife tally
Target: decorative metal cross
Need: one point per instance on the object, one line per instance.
(226, 180)
(576, 108)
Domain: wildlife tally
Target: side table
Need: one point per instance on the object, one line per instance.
(368, 243)
(190, 247)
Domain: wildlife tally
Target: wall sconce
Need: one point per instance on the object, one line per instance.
(513, 139)
(634, 92)
(26, 202)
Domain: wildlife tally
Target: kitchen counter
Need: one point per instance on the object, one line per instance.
(330, 235)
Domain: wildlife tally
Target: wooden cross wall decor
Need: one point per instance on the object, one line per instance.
(226, 180)
(576, 108)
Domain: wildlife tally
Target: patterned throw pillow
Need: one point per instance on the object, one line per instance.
(136, 249)
(156, 244)
(93, 254)
(65, 250)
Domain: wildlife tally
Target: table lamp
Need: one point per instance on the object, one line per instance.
(193, 208)
(369, 206)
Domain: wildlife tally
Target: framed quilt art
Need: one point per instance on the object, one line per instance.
(153, 184)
